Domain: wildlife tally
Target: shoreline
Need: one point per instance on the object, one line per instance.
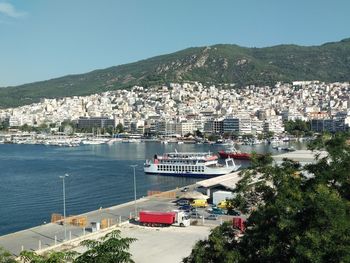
(50, 235)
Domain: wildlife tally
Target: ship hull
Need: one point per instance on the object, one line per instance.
(208, 171)
(237, 156)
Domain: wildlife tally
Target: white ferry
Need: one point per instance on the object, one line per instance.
(189, 164)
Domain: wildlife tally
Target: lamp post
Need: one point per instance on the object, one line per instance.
(134, 166)
(64, 204)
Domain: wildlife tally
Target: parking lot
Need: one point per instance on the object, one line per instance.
(161, 244)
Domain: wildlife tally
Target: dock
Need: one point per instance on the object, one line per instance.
(51, 234)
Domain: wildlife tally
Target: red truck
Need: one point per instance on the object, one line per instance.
(153, 218)
(239, 223)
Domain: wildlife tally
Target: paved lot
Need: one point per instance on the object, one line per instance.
(159, 245)
(169, 244)
(47, 235)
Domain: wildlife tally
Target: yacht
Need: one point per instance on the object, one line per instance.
(95, 141)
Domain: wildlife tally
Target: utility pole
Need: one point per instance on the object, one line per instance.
(134, 167)
(64, 204)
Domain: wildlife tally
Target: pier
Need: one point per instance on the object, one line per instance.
(51, 234)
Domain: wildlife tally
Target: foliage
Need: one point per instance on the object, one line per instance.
(4, 125)
(51, 257)
(27, 128)
(297, 128)
(112, 248)
(293, 216)
(222, 64)
(119, 128)
(6, 257)
(68, 127)
(199, 134)
(219, 247)
(213, 137)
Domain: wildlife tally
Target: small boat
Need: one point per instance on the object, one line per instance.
(234, 154)
(132, 140)
(94, 141)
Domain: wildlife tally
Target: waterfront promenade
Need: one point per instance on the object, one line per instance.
(47, 235)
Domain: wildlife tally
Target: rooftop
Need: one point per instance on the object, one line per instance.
(301, 156)
(228, 180)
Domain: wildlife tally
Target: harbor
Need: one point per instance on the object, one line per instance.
(56, 235)
(99, 176)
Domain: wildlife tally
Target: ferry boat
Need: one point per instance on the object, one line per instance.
(189, 164)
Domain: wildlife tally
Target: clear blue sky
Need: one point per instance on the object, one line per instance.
(43, 39)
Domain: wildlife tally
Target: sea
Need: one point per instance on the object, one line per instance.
(99, 176)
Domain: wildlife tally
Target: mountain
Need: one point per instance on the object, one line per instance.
(215, 64)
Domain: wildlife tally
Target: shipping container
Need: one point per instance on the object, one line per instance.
(154, 218)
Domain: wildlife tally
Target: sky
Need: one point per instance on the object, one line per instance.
(42, 39)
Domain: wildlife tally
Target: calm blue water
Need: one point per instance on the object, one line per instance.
(100, 176)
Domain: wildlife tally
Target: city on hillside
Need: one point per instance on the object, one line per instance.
(181, 109)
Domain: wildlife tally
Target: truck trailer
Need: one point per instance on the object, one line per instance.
(154, 218)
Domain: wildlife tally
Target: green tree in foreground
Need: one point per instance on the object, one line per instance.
(51, 257)
(6, 257)
(294, 216)
(110, 249)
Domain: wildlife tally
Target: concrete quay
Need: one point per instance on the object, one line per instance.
(151, 241)
(48, 235)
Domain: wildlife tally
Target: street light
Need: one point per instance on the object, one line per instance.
(64, 205)
(134, 166)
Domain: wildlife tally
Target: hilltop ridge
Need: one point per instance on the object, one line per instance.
(221, 63)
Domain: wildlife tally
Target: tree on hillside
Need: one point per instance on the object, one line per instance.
(119, 128)
(294, 215)
(297, 128)
(199, 134)
(4, 125)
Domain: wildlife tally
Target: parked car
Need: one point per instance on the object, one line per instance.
(194, 209)
(185, 189)
(186, 208)
(196, 215)
(217, 211)
(211, 217)
(232, 212)
(183, 202)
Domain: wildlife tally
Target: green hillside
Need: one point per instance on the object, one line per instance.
(216, 64)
